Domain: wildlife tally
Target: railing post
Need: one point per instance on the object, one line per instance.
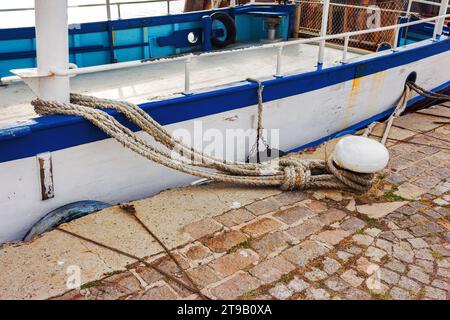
(279, 52)
(344, 54)
(119, 14)
(439, 24)
(108, 10)
(52, 46)
(298, 13)
(168, 6)
(408, 10)
(396, 35)
(187, 75)
(323, 31)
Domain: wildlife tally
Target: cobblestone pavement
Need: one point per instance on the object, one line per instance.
(393, 243)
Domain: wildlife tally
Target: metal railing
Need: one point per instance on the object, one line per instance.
(443, 5)
(431, 3)
(107, 4)
(345, 17)
(279, 45)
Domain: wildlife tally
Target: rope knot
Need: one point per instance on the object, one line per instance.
(296, 174)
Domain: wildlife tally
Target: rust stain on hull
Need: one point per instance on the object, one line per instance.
(359, 98)
(356, 83)
(352, 102)
(375, 90)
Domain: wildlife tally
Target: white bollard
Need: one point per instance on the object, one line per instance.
(360, 154)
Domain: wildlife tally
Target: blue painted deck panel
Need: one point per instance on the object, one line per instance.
(134, 39)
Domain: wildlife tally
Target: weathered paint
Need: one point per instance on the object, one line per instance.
(377, 86)
(352, 102)
(46, 175)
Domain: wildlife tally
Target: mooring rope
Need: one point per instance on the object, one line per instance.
(259, 129)
(288, 173)
(154, 129)
(397, 112)
(401, 106)
(426, 93)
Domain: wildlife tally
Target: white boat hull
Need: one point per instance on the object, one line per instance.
(105, 171)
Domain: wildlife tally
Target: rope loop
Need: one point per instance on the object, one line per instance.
(361, 182)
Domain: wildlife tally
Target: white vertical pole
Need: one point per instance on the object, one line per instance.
(108, 10)
(52, 46)
(408, 10)
(187, 75)
(344, 54)
(279, 56)
(439, 24)
(396, 35)
(323, 30)
(119, 14)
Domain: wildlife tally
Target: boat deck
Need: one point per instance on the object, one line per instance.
(391, 243)
(164, 80)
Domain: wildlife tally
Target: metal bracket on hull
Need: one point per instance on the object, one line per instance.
(46, 175)
(39, 81)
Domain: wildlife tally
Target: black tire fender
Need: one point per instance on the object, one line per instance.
(230, 27)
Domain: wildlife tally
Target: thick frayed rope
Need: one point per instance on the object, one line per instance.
(289, 173)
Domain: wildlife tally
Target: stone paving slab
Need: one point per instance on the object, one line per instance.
(171, 210)
(238, 243)
(395, 133)
(166, 214)
(38, 271)
(416, 121)
(438, 111)
(115, 228)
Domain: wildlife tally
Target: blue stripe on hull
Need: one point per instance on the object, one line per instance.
(52, 133)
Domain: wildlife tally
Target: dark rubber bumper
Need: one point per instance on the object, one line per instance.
(230, 27)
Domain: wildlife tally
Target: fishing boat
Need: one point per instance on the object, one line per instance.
(200, 74)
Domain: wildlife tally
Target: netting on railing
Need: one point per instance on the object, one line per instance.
(346, 17)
